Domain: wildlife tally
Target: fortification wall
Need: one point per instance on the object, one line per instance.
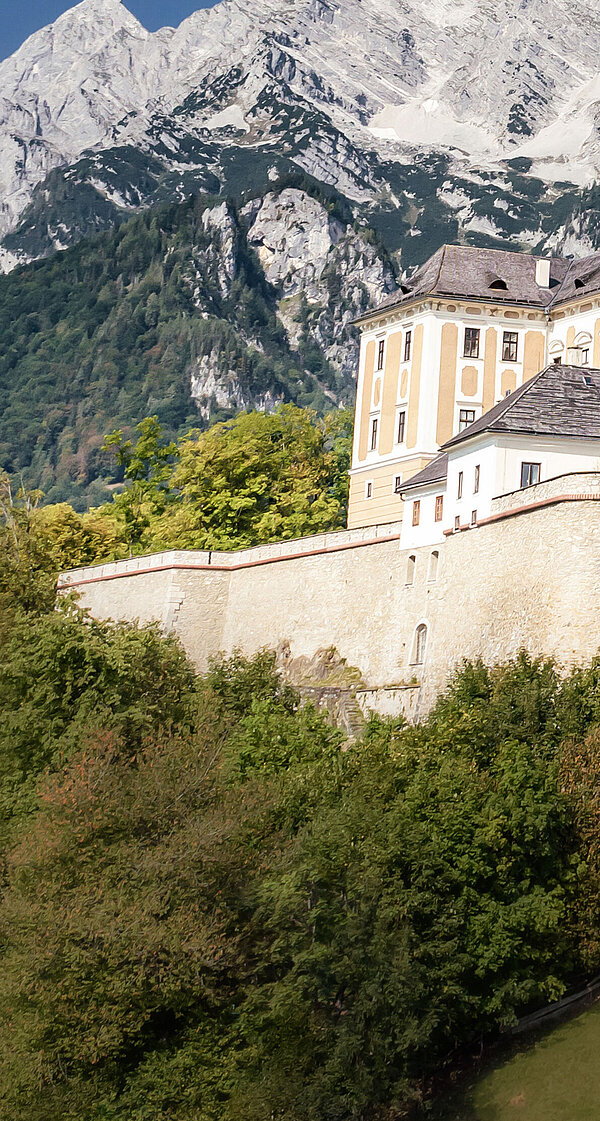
(528, 577)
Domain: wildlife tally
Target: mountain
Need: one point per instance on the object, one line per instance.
(452, 118)
(191, 312)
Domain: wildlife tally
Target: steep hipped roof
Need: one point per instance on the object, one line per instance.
(434, 472)
(559, 401)
(494, 274)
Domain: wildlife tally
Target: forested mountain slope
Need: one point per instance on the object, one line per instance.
(191, 313)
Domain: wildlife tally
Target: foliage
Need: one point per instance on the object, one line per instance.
(258, 478)
(237, 917)
(147, 468)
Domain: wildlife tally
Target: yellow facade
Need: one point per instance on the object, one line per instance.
(426, 390)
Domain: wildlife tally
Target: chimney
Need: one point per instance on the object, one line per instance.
(542, 272)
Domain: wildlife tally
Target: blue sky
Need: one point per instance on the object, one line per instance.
(19, 18)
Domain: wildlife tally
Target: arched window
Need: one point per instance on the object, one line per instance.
(499, 285)
(410, 569)
(420, 642)
(434, 561)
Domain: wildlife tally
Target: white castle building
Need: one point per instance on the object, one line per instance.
(474, 513)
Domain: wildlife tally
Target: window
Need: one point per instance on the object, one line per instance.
(510, 346)
(380, 353)
(465, 418)
(407, 345)
(476, 481)
(585, 355)
(410, 569)
(587, 380)
(473, 517)
(439, 507)
(499, 285)
(433, 566)
(460, 485)
(416, 512)
(401, 426)
(471, 349)
(374, 426)
(457, 522)
(419, 645)
(368, 490)
(397, 484)
(530, 474)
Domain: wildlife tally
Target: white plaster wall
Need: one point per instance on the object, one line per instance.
(428, 532)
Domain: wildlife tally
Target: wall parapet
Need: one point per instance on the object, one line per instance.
(580, 484)
(174, 559)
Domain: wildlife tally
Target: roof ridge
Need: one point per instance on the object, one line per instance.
(442, 259)
(507, 403)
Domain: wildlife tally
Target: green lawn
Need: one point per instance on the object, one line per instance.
(555, 1078)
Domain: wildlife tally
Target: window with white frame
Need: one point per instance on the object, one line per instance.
(397, 484)
(407, 345)
(476, 480)
(439, 507)
(380, 354)
(401, 435)
(459, 488)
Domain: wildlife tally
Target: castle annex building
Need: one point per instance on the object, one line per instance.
(470, 326)
(474, 514)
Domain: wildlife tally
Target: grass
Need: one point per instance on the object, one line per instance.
(555, 1078)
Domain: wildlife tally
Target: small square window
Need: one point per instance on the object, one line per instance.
(407, 345)
(530, 474)
(473, 517)
(416, 513)
(465, 418)
(401, 426)
(457, 522)
(439, 507)
(471, 348)
(476, 481)
(380, 354)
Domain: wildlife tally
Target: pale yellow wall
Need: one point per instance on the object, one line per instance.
(508, 382)
(447, 384)
(596, 354)
(415, 388)
(363, 416)
(390, 392)
(468, 381)
(534, 353)
(385, 505)
(489, 369)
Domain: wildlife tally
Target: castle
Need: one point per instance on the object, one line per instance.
(474, 510)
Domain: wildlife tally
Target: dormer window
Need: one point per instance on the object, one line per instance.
(587, 381)
(579, 283)
(405, 289)
(499, 285)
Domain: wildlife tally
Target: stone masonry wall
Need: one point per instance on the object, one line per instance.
(528, 579)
